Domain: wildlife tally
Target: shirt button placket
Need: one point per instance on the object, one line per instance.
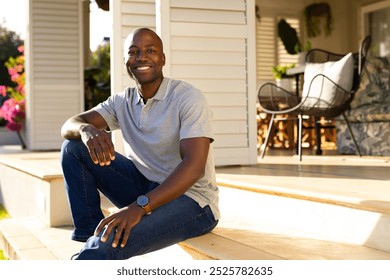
(143, 116)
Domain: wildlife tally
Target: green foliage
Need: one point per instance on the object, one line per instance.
(3, 215)
(315, 14)
(306, 47)
(101, 59)
(98, 76)
(280, 71)
(9, 42)
(2, 257)
(13, 107)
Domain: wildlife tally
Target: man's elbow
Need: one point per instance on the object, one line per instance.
(67, 133)
(200, 172)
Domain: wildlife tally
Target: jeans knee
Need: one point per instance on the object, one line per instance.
(72, 147)
(72, 150)
(69, 145)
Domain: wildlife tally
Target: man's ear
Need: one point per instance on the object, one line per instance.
(164, 58)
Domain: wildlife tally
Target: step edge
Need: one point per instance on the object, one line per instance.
(196, 245)
(309, 196)
(43, 175)
(9, 242)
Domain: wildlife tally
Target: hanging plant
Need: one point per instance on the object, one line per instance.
(289, 37)
(315, 14)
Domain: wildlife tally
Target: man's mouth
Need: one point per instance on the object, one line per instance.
(142, 68)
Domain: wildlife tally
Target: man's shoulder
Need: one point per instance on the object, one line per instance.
(128, 91)
(179, 82)
(177, 85)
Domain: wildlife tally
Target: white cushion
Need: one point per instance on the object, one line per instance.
(340, 72)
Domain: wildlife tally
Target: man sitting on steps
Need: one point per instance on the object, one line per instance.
(165, 186)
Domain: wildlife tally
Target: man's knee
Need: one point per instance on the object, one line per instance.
(72, 150)
(72, 147)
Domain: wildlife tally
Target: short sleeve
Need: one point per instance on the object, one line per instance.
(108, 110)
(195, 117)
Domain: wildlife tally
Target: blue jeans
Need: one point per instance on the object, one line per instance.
(122, 183)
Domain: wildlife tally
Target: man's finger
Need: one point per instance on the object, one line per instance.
(119, 230)
(110, 226)
(92, 153)
(126, 234)
(101, 225)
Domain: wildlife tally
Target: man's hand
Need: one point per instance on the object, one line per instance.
(121, 222)
(90, 127)
(99, 144)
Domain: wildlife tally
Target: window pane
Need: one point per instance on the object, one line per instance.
(379, 28)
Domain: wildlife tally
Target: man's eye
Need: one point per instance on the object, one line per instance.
(150, 51)
(132, 52)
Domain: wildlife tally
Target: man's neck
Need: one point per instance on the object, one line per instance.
(149, 90)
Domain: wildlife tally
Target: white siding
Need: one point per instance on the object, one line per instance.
(210, 46)
(54, 74)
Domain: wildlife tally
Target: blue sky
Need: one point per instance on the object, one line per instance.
(13, 16)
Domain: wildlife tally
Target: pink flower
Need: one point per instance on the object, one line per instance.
(15, 77)
(13, 109)
(13, 112)
(12, 71)
(3, 90)
(20, 89)
(13, 126)
(19, 68)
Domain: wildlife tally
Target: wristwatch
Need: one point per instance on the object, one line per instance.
(143, 202)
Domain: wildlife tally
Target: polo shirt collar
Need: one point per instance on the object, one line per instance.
(138, 97)
(160, 94)
(162, 90)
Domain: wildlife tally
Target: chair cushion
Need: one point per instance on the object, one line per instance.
(376, 112)
(340, 72)
(374, 83)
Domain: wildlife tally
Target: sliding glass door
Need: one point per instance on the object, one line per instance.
(376, 22)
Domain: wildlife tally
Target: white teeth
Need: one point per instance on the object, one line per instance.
(143, 68)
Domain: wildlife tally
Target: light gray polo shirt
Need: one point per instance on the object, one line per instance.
(152, 132)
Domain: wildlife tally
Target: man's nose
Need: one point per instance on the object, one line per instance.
(140, 56)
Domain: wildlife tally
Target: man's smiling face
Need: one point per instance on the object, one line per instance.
(144, 56)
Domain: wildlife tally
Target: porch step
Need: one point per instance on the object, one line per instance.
(264, 216)
(31, 184)
(250, 232)
(30, 238)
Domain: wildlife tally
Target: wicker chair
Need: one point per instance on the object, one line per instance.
(330, 81)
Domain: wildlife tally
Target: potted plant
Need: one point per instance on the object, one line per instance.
(280, 71)
(281, 77)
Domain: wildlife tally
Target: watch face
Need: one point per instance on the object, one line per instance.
(142, 200)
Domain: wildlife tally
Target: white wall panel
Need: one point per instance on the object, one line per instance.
(211, 46)
(54, 70)
(207, 43)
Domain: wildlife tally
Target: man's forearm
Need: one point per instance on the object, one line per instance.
(72, 128)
